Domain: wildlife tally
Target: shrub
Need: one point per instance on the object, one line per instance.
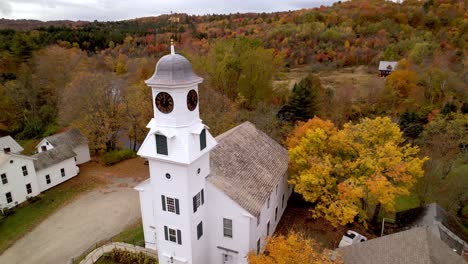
(127, 257)
(116, 156)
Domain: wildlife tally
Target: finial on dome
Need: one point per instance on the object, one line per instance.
(172, 47)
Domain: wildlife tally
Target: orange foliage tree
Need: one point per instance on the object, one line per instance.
(350, 171)
(293, 248)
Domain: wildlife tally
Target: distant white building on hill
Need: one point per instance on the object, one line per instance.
(208, 200)
(22, 177)
(387, 67)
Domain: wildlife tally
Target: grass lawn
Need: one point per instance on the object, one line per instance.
(27, 216)
(133, 234)
(404, 203)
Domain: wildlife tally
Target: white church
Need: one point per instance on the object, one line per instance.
(208, 200)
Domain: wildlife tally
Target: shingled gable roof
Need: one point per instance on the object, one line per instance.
(53, 156)
(71, 137)
(9, 142)
(414, 246)
(246, 165)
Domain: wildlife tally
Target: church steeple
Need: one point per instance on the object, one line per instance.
(178, 150)
(174, 88)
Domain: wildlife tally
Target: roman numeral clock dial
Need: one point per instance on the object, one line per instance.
(164, 102)
(192, 100)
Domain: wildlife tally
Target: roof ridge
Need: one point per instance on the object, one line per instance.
(230, 131)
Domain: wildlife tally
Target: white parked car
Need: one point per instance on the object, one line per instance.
(351, 238)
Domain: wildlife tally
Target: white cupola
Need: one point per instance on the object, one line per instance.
(171, 83)
(176, 127)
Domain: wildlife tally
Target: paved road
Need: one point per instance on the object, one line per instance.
(94, 216)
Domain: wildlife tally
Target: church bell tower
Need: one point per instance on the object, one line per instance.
(178, 150)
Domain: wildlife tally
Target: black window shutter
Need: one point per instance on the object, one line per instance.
(161, 144)
(203, 139)
(202, 197)
(179, 237)
(163, 200)
(166, 233)
(194, 203)
(177, 206)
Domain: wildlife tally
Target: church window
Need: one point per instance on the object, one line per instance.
(47, 177)
(173, 235)
(161, 144)
(258, 246)
(25, 170)
(4, 178)
(199, 230)
(9, 198)
(276, 213)
(28, 188)
(170, 204)
(282, 202)
(198, 200)
(168, 176)
(203, 139)
(62, 172)
(227, 227)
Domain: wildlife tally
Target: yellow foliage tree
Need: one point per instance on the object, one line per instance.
(347, 172)
(402, 82)
(293, 249)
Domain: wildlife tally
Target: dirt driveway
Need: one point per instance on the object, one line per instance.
(92, 217)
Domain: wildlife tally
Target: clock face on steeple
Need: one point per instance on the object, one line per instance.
(164, 102)
(192, 100)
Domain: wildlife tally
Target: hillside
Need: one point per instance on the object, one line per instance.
(272, 69)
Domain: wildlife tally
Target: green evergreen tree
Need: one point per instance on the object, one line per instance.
(303, 102)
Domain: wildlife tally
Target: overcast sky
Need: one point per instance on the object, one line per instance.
(105, 10)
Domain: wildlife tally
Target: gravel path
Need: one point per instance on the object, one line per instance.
(93, 217)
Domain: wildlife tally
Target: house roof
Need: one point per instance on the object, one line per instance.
(5, 157)
(387, 65)
(441, 224)
(8, 141)
(246, 165)
(71, 137)
(53, 156)
(414, 246)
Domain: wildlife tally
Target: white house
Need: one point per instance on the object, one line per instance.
(207, 200)
(23, 176)
(73, 138)
(17, 179)
(387, 67)
(55, 166)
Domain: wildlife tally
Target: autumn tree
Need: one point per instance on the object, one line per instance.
(351, 171)
(293, 248)
(242, 69)
(93, 103)
(445, 141)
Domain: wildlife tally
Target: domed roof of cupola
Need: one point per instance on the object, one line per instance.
(173, 70)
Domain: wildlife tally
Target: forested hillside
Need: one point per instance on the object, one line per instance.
(90, 75)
